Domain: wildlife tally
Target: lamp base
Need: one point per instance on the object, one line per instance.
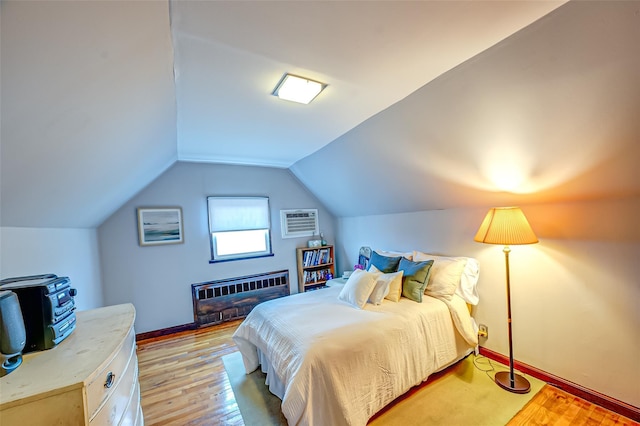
(521, 385)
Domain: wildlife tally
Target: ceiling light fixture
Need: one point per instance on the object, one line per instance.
(298, 89)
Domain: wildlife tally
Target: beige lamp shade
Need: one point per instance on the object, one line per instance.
(505, 226)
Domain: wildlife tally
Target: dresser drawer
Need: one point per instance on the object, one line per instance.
(110, 376)
(114, 408)
(130, 416)
(139, 417)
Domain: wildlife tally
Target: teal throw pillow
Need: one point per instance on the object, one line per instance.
(415, 278)
(385, 264)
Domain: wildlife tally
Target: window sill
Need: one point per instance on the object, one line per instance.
(240, 258)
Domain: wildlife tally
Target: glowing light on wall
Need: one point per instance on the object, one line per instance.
(510, 157)
(507, 167)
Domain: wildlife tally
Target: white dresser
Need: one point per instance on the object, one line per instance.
(90, 378)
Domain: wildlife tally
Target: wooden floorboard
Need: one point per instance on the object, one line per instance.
(183, 382)
(552, 406)
(182, 378)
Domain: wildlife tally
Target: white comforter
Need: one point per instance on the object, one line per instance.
(339, 365)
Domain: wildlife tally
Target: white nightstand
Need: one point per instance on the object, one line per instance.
(336, 281)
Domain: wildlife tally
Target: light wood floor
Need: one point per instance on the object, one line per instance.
(551, 406)
(183, 382)
(182, 378)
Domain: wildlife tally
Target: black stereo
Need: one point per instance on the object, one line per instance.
(47, 306)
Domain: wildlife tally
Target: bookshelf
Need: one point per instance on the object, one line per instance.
(314, 266)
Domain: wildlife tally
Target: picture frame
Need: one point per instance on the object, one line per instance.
(160, 225)
(314, 243)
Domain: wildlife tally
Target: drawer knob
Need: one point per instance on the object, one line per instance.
(110, 379)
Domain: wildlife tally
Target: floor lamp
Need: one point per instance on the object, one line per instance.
(507, 226)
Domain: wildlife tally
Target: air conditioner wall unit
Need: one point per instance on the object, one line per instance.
(299, 223)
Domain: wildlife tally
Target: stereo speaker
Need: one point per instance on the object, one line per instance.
(12, 332)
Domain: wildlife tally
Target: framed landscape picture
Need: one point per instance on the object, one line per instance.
(158, 226)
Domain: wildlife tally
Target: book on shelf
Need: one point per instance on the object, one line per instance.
(310, 277)
(316, 257)
(322, 255)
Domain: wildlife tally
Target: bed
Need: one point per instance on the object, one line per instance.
(332, 362)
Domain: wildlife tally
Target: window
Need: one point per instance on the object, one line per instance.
(239, 227)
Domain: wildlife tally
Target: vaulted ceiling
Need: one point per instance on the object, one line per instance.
(426, 104)
(230, 55)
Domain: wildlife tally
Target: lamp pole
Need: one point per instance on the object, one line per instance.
(513, 382)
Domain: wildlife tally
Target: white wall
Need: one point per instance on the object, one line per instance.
(157, 279)
(574, 295)
(65, 252)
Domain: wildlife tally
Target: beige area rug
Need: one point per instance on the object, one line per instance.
(463, 395)
(258, 406)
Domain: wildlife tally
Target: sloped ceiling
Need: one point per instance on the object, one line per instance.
(88, 108)
(230, 55)
(92, 110)
(551, 113)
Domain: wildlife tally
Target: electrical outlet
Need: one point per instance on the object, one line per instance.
(483, 331)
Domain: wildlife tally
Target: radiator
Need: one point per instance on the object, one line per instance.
(223, 300)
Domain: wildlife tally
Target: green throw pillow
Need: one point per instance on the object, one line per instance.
(385, 264)
(415, 278)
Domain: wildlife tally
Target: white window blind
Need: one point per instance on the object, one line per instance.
(238, 214)
(239, 227)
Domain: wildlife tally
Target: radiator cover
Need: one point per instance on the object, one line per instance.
(223, 300)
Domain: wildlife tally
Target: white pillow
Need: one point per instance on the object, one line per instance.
(392, 283)
(468, 289)
(358, 288)
(380, 290)
(466, 281)
(407, 255)
(445, 278)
